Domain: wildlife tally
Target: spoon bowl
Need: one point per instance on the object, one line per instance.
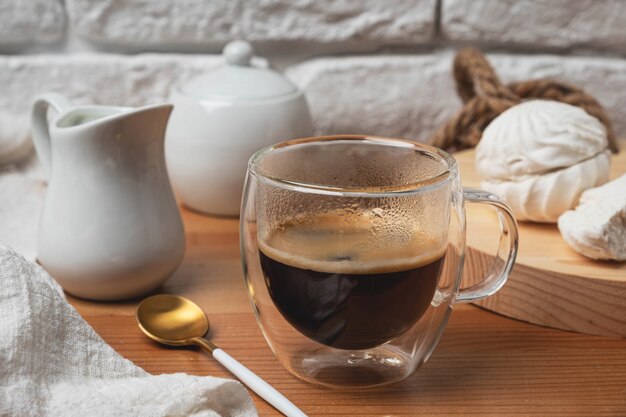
(177, 321)
(172, 320)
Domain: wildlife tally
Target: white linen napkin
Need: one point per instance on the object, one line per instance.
(52, 363)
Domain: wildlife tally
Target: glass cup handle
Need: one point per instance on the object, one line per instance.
(507, 249)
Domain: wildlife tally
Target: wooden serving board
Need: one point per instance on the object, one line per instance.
(551, 284)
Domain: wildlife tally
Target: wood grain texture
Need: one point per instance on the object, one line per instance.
(485, 365)
(551, 284)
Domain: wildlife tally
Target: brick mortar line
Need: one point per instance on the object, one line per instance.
(435, 48)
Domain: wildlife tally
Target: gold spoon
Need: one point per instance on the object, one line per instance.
(177, 321)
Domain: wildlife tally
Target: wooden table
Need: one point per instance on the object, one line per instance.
(485, 364)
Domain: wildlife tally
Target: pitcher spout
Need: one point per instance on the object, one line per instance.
(155, 116)
(86, 126)
(93, 116)
(144, 124)
(113, 134)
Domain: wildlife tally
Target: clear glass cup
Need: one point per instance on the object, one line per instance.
(353, 248)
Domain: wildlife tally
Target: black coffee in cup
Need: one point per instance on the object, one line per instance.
(339, 283)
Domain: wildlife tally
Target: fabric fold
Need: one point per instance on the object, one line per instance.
(52, 363)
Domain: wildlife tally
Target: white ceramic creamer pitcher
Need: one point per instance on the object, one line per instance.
(110, 228)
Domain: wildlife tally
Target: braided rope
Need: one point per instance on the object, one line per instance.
(485, 97)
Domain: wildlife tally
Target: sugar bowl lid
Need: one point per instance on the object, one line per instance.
(238, 78)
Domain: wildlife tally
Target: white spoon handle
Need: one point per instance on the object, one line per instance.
(256, 384)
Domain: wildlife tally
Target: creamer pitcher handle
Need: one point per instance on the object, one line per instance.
(39, 122)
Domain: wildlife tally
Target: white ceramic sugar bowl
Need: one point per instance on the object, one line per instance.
(220, 119)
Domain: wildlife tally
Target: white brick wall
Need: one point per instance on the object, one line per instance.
(89, 78)
(211, 22)
(537, 23)
(25, 22)
(403, 95)
(410, 96)
(400, 96)
(401, 87)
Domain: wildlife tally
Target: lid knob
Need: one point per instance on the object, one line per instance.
(238, 53)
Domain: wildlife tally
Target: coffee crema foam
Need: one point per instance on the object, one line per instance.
(350, 244)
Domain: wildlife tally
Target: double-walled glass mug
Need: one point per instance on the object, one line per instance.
(353, 249)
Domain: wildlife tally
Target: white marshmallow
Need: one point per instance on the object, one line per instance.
(543, 198)
(597, 227)
(540, 155)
